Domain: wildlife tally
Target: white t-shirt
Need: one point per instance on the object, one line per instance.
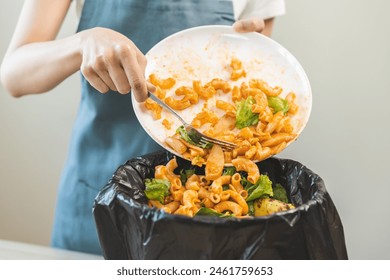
(243, 9)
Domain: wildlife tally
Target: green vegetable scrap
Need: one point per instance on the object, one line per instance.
(278, 104)
(280, 193)
(244, 116)
(251, 208)
(262, 188)
(229, 170)
(157, 189)
(185, 174)
(204, 211)
(191, 138)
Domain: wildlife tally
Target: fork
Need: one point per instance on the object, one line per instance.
(195, 135)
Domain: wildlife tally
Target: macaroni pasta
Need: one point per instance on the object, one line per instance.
(224, 195)
(255, 117)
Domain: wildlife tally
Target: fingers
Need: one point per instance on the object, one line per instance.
(100, 68)
(249, 25)
(134, 67)
(98, 72)
(110, 61)
(150, 87)
(116, 72)
(119, 69)
(93, 78)
(105, 76)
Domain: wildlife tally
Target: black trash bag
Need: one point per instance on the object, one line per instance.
(129, 229)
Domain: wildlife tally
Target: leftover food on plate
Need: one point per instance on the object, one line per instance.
(249, 113)
(240, 191)
(242, 88)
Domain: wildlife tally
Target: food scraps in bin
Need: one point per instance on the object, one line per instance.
(241, 191)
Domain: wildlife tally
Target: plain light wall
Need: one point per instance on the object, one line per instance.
(34, 134)
(344, 46)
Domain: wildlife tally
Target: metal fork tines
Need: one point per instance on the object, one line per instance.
(204, 139)
(199, 137)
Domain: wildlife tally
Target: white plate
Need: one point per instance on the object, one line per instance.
(204, 53)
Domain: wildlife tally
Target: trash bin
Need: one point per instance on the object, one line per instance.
(129, 229)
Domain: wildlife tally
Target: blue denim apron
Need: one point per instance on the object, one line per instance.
(106, 132)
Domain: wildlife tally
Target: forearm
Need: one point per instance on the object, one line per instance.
(39, 67)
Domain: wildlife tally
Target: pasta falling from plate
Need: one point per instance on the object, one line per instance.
(255, 118)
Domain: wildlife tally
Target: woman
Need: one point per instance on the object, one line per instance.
(108, 48)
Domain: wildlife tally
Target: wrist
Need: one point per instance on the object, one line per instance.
(79, 42)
